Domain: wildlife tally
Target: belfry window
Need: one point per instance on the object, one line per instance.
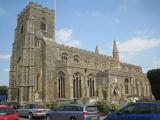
(61, 85)
(64, 56)
(77, 86)
(91, 82)
(43, 25)
(126, 86)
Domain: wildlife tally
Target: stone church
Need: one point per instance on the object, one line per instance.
(41, 70)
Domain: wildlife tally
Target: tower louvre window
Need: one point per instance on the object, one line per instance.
(43, 26)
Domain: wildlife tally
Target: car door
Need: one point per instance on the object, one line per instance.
(68, 112)
(147, 112)
(20, 110)
(127, 113)
(11, 114)
(58, 113)
(25, 110)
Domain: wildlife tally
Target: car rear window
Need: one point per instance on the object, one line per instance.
(7, 111)
(38, 106)
(91, 108)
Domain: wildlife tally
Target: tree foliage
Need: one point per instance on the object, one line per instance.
(154, 79)
(4, 90)
(103, 107)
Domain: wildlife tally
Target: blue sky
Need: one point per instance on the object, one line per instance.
(134, 24)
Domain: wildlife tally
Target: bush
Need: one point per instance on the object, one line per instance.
(53, 105)
(103, 107)
(73, 102)
(114, 107)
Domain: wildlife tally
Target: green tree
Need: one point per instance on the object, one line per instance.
(4, 90)
(154, 79)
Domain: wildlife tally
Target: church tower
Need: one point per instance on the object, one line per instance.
(115, 52)
(33, 23)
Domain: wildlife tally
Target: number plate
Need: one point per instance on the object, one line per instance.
(94, 118)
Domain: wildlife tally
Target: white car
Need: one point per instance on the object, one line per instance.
(32, 111)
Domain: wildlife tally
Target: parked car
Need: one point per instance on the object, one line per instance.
(32, 111)
(73, 112)
(7, 113)
(137, 111)
(15, 105)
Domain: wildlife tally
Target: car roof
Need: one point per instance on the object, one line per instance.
(5, 106)
(150, 103)
(80, 105)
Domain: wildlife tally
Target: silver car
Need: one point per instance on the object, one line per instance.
(32, 110)
(74, 112)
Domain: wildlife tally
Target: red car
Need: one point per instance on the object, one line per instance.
(7, 113)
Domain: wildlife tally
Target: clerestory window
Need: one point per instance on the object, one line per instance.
(64, 56)
(76, 59)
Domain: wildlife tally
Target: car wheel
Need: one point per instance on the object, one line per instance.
(48, 117)
(30, 116)
(72, 118)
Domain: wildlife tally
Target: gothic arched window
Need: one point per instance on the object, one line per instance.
(77, 85)
(22, 29)
(38, 82)
(142, 89)
(91, 82)
(61, 85)
(64, 56)
(137, 87)
(76, 58)
(126, 86)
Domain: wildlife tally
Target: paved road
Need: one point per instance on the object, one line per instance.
(22, 118)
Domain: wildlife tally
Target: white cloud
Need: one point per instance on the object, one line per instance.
(6, 69)
(2, 11)
(136, 45)
(73, 43)
(64, 36)
(5, 56)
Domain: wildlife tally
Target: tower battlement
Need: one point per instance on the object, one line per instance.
(36, 6)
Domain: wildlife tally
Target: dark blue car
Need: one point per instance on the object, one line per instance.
(74, 112)
(137, 111)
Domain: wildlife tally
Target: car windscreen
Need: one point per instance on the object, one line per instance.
(91, 108)
(38, 106)
(6, 111)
